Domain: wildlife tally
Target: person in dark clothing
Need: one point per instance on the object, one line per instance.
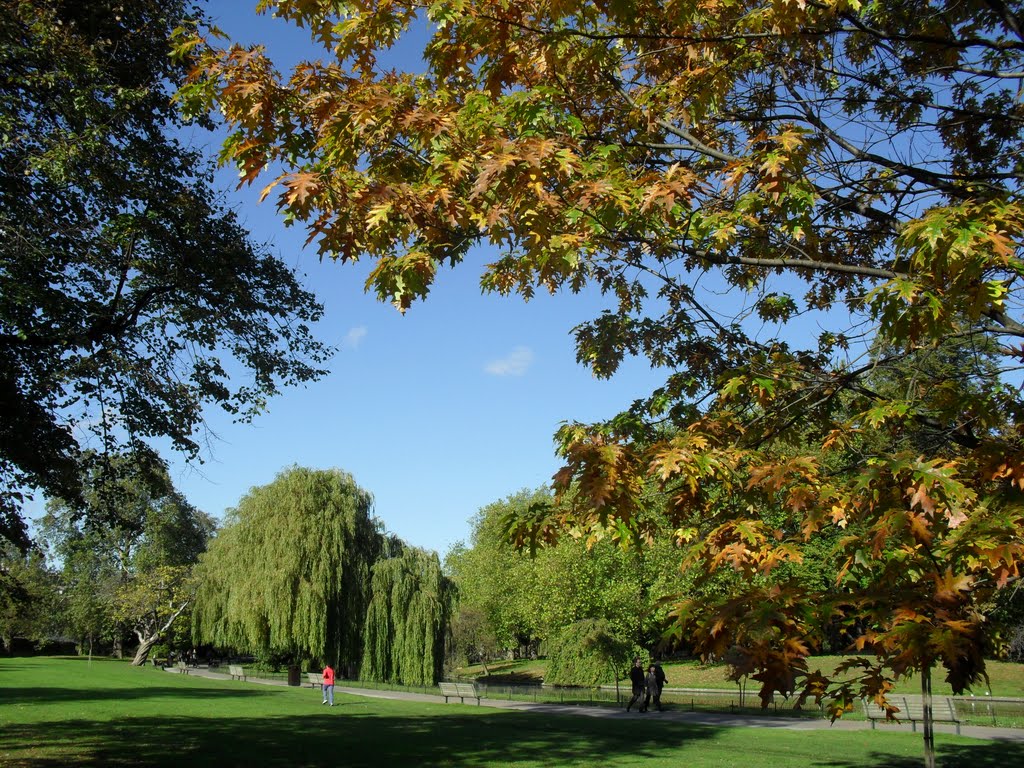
(636, 677)
(651, 683)
(662, 679)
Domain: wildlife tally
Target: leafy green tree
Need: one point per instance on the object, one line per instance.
(473, 640)
(496, 580)
(588, 652)
(407, 620)
(290, 570)
(112, 559)
(150, 604)
(88, 580)
(532, 599)
(131, 298)
(29, 598)
(849, 166)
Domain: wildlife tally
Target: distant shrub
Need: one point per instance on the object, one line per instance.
(586, 653)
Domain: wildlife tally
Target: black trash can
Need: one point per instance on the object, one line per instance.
(293, 675)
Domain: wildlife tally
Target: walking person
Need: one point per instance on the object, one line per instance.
(651, 683)
(662, 679)
(327, 686)
(636, 678)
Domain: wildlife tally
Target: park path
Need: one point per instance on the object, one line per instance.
(713, 719)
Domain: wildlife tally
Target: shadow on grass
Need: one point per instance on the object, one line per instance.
(70, 694)
(994, 754)
(332, 738)
(357, 735)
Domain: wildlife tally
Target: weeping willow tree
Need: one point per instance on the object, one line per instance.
(407, 619)
(290, 570)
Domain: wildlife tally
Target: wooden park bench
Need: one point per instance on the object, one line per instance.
(316, 679)
(237, 672)
(181, 666)
(448, 690)
(468, 691)
(943, 711)
(461, 690)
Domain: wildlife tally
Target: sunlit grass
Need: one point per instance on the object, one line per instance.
(73, 712)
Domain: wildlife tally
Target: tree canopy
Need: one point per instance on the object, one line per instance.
(131, 297)
(530, 602)
(845, 167)
(124, 569)
(28, 597)
(407, 620)
(290, 569)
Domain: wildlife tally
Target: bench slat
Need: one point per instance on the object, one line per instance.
(943, 711)
(449, 690)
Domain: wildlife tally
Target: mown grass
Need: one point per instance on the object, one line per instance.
(58, 711)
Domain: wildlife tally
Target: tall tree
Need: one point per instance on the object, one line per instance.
(131, 298)
(29, 599)
(128, 559)
(151, 603)
(854, 166)
(407, 621)
(528, 601)
(290, 570)
(494, 579)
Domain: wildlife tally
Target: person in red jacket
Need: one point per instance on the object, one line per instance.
(328, 684)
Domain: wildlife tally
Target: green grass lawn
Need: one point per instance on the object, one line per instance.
(1005, 678)
(59, 711)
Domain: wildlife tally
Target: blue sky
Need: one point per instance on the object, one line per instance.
(436, 413)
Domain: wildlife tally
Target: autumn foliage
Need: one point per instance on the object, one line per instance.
(846, 176)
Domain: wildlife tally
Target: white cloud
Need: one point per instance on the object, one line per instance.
(515, 363)
(354, 337)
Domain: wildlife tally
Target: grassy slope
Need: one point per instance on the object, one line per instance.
(73, 712)
(1006, 678)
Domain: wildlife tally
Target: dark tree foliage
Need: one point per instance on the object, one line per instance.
(122, 568)
(28, 597)
(130, 298)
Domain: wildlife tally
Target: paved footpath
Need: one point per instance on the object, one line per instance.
(674, 715)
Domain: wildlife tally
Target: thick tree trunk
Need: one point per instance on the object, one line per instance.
(148, 636)
(926, 699)
(145, 645)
